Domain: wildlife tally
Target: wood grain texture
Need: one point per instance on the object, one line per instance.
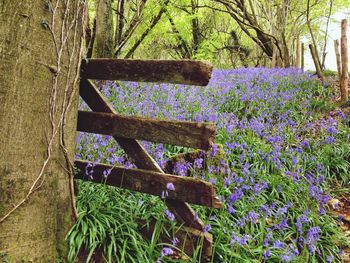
(165, 71)
(187, 189)
(182, 133)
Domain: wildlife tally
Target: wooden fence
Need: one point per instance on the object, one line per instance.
(149, 178)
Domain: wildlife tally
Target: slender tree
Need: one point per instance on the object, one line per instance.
(337, 57)
(155, 20)
(104, 29)
(344, 78)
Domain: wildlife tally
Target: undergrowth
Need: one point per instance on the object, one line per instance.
(286, 147)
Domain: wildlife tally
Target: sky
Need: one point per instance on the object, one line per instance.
(333, 33)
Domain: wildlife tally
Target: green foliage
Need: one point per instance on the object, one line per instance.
(107, 225)
(299, 176)
(215, 25)
(4, 257)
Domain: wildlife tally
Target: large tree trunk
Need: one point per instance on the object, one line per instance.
(38, 111)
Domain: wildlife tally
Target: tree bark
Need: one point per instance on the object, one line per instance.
(91, 42)
(298, 53)
(274, 57)
(337, 57)
(316, 62)
(302, 56)
(196, 34)
(104, 29)
(120, 22)
(314, 53)
(38, 86)
(344, 60)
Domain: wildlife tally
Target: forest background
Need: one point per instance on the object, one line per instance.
(229, 34)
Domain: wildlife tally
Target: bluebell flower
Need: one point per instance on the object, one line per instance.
(329, 258)
(207, 228)
(169, 215)
(287, 257)
(300, 221)
(231, 210)
(267, 254)
(166, 252)
(170, 186)
(198, 163)
(278, 244)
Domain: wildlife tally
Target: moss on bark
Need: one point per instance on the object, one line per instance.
(35, 231)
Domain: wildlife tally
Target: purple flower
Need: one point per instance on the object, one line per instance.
(166, 252)
(207, 228)
(267, 240)
(164, 194)
(329, 258)
(267, 254)
(244, 240)
(231, 210)
(175, 241)
(170, 186)
(305, 143)
(214, 150)
(169, 215)
(198, 163)
(287, 257)
(128, 165)
(313, 235)
(278, 244)
(330, 140)
(181, 168)
(106, 173)
(300, 221)
(212, 181)
(241, 241)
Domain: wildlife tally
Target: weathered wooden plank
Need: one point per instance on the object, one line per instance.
(166, 71)
(182, 133)
(187, 239)
(140, 157)
(188, 189)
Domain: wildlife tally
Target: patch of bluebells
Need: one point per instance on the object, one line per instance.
(270, 174)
